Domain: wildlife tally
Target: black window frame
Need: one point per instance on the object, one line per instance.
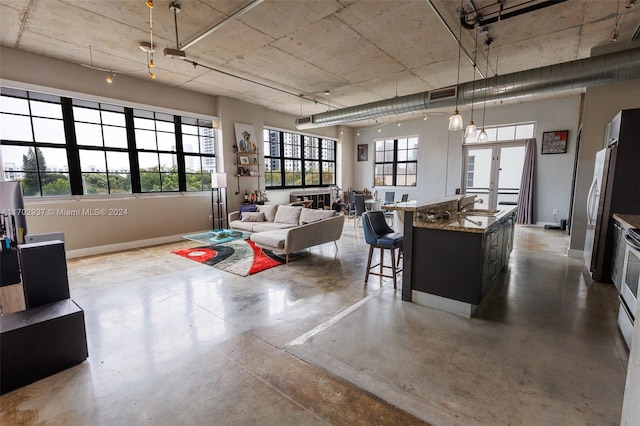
(391, 166)
(102, 147)
(35, 146)
(312, 150)
(73, 150)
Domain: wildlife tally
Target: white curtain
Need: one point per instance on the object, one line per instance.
(525, 198)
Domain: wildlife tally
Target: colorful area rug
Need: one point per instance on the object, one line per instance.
(240, 257)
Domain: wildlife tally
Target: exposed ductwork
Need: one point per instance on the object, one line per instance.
(594, 71)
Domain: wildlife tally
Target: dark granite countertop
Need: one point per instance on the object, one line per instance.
(628, 220)
(415, 206)
(461, 222)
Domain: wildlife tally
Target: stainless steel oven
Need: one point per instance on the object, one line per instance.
(630, 284)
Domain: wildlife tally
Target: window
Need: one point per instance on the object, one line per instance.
(101, 136)
(508, 132)
(272, 161)
(471, 167)
(33, 142)
(294, 160)
(156, 149)
(396, 162)
(198, 142)
(61, 146)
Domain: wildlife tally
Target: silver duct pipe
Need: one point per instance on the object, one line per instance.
(578, 74)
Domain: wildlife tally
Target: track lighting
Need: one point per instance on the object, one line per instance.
(151, 63)
(613, 37)
(152, 75)
(110, 78)
(398, 124)
(149, 4)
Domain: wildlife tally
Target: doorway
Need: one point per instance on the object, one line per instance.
(493, 172)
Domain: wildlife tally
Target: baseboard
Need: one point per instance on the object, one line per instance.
(110, 248)
(576, 254)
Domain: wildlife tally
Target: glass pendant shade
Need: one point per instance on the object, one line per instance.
(455, 121)
(471, 130)
(482, 137)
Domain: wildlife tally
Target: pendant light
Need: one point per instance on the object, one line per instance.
(455, 120)
(471, 130)
(482, 136)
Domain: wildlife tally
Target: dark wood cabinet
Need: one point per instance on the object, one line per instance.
(462, 266)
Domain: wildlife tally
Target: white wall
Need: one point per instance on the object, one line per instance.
(440, 152)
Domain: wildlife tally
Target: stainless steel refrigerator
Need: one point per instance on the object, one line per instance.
(615, 189)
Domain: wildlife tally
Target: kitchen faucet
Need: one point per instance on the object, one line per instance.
(480, 201)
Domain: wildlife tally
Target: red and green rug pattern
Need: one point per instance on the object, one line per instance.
(240, 257)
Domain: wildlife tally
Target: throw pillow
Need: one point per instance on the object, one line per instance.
(288, 214)
(247, 208)
(310, 215)
(253, 217)
(269, 211)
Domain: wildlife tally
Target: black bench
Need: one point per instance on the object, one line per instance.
(39, 342)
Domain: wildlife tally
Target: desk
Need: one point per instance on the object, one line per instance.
(372, 204)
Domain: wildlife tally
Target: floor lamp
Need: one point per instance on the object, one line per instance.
(219, 182)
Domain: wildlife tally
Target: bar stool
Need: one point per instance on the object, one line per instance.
(378, 234)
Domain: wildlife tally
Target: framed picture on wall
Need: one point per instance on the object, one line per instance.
(363, 152)
(244, 160)
(555, 142)
(245, 138)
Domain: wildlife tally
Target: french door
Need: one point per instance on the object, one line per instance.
(493, 172)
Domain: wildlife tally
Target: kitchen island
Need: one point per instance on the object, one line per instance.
(453, 257)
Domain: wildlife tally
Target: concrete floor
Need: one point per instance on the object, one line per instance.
(175, 342)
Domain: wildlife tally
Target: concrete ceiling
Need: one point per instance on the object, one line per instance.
(360, 50)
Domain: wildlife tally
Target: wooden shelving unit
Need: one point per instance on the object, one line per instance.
(321, 200)
(248, 167)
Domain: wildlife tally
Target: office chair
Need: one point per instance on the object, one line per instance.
(359, 208)
(389, 197)
(351, 203)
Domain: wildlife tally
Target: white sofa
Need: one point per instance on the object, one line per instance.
(287, 229)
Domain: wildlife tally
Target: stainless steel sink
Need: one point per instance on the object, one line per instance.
(481, 212)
